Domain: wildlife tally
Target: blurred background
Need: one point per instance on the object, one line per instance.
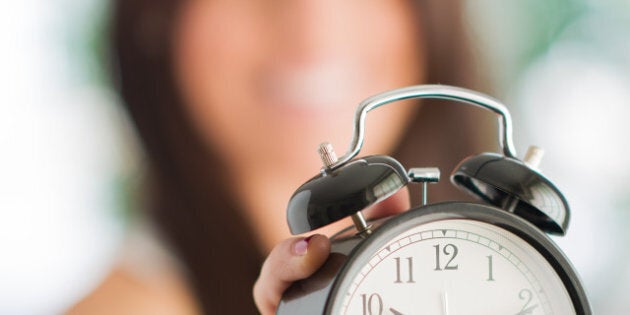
(70, 165)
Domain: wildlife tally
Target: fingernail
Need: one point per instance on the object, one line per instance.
(301, 247)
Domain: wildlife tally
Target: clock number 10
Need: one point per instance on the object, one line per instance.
(448, 250)
(372, 304)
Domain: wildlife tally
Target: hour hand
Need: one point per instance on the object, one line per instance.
(395, 312)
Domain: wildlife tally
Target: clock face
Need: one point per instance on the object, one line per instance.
(454, 266)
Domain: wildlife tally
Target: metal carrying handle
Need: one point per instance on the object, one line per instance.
(429, 91)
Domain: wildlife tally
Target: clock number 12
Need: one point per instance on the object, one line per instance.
(449, 250)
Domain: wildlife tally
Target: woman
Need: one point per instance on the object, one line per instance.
(231, 98)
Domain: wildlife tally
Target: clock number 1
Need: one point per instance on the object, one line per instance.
(448, 250)
(409, 268)
(490, 278)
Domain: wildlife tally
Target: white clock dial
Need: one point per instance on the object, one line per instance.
(454, 267)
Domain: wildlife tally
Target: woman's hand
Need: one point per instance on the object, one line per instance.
(293, 259)
(299, 257)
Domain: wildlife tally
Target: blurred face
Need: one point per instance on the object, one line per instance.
(265, 82)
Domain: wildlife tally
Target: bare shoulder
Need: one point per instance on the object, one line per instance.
(148, 279)
(123, 292)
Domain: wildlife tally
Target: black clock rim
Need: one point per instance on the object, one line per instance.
(478, 212)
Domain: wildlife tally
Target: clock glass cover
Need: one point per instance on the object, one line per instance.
(450, 267)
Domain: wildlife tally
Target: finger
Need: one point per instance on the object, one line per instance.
(289, 261)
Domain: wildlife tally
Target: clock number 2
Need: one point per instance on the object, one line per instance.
(526, 295)
(449, 250)
(372, 305)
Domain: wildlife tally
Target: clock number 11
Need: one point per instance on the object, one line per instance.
(409, 270)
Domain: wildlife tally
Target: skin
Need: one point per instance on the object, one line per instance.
(288, 262)
(266, 81)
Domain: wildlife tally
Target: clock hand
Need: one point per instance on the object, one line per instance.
(395, 312)
(444, 303)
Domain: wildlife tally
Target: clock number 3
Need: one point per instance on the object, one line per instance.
(448, 250)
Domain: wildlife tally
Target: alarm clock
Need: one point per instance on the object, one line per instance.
(490, 257)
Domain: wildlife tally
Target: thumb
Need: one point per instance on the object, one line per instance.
(291, 260)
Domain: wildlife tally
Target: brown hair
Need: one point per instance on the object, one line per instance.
(190, 203)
